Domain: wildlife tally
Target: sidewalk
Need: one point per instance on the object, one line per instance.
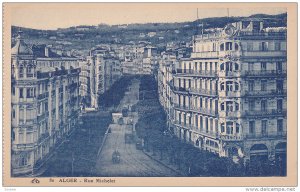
(164, 162)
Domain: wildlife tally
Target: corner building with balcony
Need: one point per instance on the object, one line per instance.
(229, 97)
(44, 104)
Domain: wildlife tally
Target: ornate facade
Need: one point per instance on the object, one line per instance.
(229, 97)
(44, 103)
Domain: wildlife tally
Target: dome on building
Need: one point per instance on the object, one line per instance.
(21, 48)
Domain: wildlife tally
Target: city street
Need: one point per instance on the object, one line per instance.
(133, 162)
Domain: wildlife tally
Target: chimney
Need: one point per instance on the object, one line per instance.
(46, 51)
(261, 25)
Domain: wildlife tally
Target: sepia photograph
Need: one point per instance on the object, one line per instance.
(107, 91)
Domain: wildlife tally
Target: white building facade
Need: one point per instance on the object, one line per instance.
(229, 97)
(44, 104)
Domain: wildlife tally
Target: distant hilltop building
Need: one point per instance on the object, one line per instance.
(230, 96)
(44, 103)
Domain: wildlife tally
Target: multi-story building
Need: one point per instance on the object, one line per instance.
(229, 97)
(44, 103)
(84, 79)
(105, 70)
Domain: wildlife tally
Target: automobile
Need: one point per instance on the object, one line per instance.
(116, 157)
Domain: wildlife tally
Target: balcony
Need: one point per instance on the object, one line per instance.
(230, 74)
(190, 127)
(229, 93)
(203, 92)
(266, 135)
(231, 137)
(191, 72)
(204, 111)
(265, 73)
(230, 114)
(270, 112)
(204, 55)
(264, 54)
(180, 89)
(23, 146)
(229, 54)
(43, 95)
(265, 93)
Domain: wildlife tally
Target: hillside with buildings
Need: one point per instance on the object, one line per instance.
(83, 37)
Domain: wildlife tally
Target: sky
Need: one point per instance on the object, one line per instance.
(63, 15)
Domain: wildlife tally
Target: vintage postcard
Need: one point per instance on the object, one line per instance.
(150, 94)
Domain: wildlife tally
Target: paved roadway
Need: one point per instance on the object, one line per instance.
(134, 163)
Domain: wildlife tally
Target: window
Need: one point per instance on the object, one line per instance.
(222, 47)
(229, 127)
(30, 92)
(13, 114)
(29, 71)
(21, 92)
(277, 46)
(222, 106)
(201, 122)
(250, 46)
(236, 46)
(200, 102)
(251, 105)
(46, 106)
(264, 46)
(229, 106)
(236, 67)
(229, 66)
(264, 85)
(279, 66)
(251, 85)
(222, 67)
(237, 106)
(279, 85)
(264, 127)
(13, 90)
(23, 161)
(252, 127)
(21, 72)
(237, 128)
(279, 104)
(222, 128)
(228, 46)
(264, 105)
(263, 66)
(229, 86)
(236, 86)
(279, 125)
